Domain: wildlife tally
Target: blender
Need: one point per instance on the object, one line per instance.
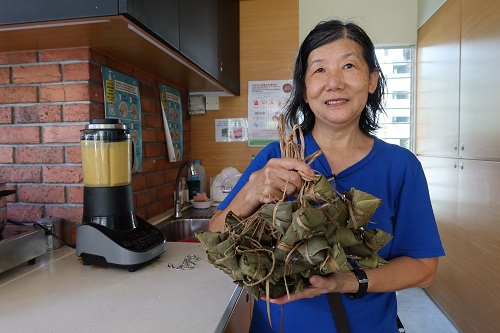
(111, 234)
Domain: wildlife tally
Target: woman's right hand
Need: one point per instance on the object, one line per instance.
(278, 179)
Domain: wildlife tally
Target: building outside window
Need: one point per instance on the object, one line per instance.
(398, 66)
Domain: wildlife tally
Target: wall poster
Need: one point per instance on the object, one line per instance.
(231, 130)
(266, 101)
(172, 121)
(122, 101)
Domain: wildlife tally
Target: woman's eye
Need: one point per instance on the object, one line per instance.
(319, 70)
(347, 66)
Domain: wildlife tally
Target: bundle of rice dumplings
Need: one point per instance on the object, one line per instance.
(274, 251)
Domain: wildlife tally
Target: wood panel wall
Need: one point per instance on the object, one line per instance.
(463, 183)
(268, 44)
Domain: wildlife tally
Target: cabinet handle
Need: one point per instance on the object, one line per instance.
(462, 146)
(455, 165)
(220, 66)
(461, 166)
(455, 147)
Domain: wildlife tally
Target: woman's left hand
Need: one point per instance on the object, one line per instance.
(321, 285)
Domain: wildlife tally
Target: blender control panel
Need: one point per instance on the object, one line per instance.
(142, 239)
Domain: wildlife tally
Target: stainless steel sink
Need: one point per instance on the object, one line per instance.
(192, 220)
(183, 229)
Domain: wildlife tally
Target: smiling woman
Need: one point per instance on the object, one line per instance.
(336, 100)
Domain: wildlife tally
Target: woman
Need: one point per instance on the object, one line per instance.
(337, 97)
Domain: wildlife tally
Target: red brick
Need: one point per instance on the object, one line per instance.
(6, 155)
(83, 112)
(22, 94)
(165, 191)
(154, 121)
(5, 115)
(154, 179)
(144, 76)
(38, 114)
(69, 231)
(65, 54)
(62, 174)
(41, 194)
(73, 154)
(65, 92)
(151, 106)
(82, 71)
(75, 194)
(21, 174)
(98, 57)
(24, 212)
(63, 134)
(4, 75)
(20, 134)
(40, 154)
(71, 214)
(120, 66)
(18, 57)
(146, 197)
(138, 183)
(96, 93)
(155, 209)
(36, 74)
(149, 135)
(153, 150)
(171, 175)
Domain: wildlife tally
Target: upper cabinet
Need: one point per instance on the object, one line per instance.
(208, 37)
(438, 83)
(479, 79)
(191, 43)
(457, 100)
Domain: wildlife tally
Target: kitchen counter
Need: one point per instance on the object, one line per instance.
(60, 294)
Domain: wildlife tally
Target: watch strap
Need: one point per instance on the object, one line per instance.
(363, 283)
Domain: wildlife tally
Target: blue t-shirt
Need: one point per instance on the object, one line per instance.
(393, 174)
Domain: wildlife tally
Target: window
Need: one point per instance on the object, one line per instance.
(398, 66)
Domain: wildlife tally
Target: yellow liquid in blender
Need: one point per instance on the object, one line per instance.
(106, 163)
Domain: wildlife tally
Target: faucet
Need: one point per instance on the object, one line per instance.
(177, 204)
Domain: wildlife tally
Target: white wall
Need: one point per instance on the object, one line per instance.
(426, 8)
(388, 22)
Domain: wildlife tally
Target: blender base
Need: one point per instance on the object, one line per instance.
(131, 249)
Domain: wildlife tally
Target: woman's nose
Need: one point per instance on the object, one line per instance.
(334, 81)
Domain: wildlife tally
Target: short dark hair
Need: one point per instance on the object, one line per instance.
(298, 111)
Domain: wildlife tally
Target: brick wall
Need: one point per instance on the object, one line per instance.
(46, 98)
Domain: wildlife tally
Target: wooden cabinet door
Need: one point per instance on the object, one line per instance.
(480, 80)
(229, 44)
(464, 197)
(438, 78)
(198, 30)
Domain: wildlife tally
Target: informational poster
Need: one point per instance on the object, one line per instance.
(172, 121)
(122, 101)
(266, 101)
(231, 130)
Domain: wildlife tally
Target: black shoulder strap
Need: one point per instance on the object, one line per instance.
(339, 314)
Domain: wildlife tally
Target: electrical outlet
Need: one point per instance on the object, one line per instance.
(212, 102)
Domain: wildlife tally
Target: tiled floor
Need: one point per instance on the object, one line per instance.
(420, 314)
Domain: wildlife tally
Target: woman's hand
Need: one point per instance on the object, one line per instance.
(278, 179)
(337, 282)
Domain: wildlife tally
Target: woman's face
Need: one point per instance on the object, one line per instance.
(337, 83)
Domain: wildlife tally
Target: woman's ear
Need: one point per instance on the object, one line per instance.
(373, 81)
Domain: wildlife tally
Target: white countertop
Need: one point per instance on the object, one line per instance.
(60, 294)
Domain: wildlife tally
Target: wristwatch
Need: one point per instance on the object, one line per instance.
(363, 283)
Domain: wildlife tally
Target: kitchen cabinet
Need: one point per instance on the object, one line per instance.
(209, 36)
(160, 18)
(193, 44)
(241, 316)
(438, 83)
(479, 79)
(457, 103)
(463, 194)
